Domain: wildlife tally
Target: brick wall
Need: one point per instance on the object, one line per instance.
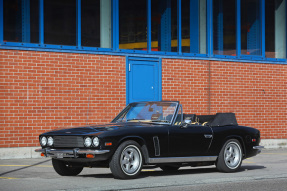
(40, 91)
(257, 93)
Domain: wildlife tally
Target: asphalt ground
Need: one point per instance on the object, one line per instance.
(266, 171)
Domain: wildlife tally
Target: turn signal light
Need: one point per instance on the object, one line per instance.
(108, 144)
(90, 156)
(42, 154)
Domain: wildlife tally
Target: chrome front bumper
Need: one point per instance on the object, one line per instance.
(258, 148)
(69, 153)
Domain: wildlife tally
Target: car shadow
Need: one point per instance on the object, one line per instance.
(149, 172)
(253, 167)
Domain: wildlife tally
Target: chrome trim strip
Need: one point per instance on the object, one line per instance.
(182, 159)
(258, 147)
(70, 152)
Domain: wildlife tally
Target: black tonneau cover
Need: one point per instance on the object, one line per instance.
(220, 119)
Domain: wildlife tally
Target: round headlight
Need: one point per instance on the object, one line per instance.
(96, 141)
(88, 142)
(43, 141)
(50, 141)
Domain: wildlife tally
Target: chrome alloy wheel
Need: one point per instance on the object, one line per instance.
(130, 160)
(232, 155)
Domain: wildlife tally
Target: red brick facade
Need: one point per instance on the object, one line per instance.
(257, 93)
(40, 91)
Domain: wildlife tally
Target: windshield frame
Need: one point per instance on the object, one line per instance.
(134, 103)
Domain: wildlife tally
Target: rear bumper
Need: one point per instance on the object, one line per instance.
(69, 153)
(258, 148)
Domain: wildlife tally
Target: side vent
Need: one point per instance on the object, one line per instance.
(156, 146)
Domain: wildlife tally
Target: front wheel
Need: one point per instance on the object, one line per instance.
(64, 169)
(126, 162)
(230, 156)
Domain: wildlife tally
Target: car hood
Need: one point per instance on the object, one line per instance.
(96, 129)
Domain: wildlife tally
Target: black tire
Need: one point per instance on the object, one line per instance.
(230, 156)
(64, 169)
(169, 168)
(127, 161)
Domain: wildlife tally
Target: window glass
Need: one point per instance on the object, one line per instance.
(275, 28)
(96, 23)
(250, 27)
(60, 22)
(21, 21)
(224, 27)
(193, 26)
(164, 25)
(133, 24)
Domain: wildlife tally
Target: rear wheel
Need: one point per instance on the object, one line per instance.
(230, 156)
(126, 162)
(65, 169)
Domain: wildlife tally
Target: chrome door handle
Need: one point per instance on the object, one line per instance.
(208, 136)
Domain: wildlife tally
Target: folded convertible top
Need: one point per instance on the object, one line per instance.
(220, 119)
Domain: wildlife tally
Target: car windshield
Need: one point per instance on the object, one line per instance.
(149, 112)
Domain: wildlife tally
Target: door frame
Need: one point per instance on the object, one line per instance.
(158, 60)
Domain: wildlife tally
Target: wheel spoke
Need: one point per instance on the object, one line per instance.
(125, 161)
(128, 165)
(131, 155)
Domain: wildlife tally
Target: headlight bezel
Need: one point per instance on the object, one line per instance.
(89, 143)
(41, 141)
(96, 141)
(48, 140)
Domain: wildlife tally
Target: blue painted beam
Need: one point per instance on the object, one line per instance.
(238, 28)
(210, 28)
(179, 50)
(262, 15)
(149, 25)
(41, 22)
(1, 22)
(115, 24)
(78, 24)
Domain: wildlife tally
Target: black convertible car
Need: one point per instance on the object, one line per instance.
(152, 133)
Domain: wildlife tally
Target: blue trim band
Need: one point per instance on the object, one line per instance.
(173, 56)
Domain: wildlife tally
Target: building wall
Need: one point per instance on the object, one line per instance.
(256, 92)
(40, 91)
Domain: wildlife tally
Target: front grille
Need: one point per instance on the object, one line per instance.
(68, 141)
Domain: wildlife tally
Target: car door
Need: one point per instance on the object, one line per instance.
(193, 140)
(190, 140)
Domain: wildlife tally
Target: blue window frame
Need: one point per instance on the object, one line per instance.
(203, 29)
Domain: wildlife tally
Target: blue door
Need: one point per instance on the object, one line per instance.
(144, 80)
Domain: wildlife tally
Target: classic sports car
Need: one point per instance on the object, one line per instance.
(152, 133)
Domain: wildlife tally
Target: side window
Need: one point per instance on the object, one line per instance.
(178, 117)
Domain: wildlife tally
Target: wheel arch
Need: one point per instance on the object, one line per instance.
(140, 141)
